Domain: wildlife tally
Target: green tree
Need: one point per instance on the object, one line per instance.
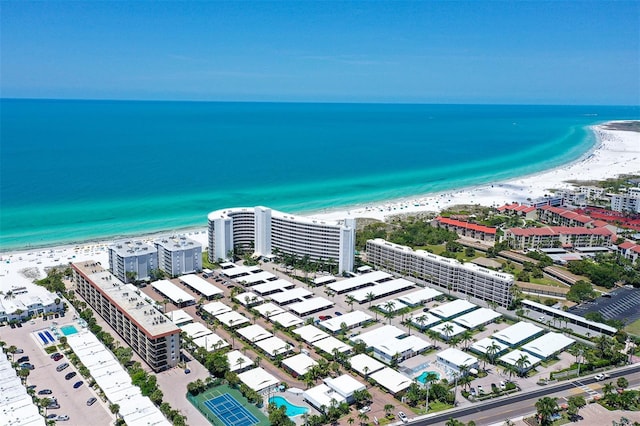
(546, 407)
(622, 383)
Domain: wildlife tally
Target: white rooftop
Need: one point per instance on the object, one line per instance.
(172, 291)
(419, 296)
(201, 286)
(517, 333)
(210, 342)
(286, 319)
(232, 319)
(195, 330)
(310, 334)
(269, 309)
(299, 363)
(395, 346)
(482, 345)
(351, 319)
(322, 396)
(324, 279)
(455, 329)
(286, 296)
(330, 343)
(254, 333)
(216, 308)
(378, 335)
(234, 364)
(258, 379)
(547, 345)
(273, 346)
(512, 358)
(477, 318)
(452, 309)
(382, 289)
(360, 361)
(248, 298)
(310, 305)
(345, 385)
(258, 277)
(240, 271)
(271, 286)
(391, 380)
(393, 305)
(179, 316)
(424, 319)
(369, 279)
(457, 357)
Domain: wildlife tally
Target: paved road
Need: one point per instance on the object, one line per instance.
(496, 411)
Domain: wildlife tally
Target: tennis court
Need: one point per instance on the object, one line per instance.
(225, 405)
(227, 409)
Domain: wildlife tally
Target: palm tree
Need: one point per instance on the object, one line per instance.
(546, 407)
(447, 330)
(351, 420)
(492, 350)
(522, 363)
(433, 335)
(388, 408)
(467, 337)
(365, 370)
(389, 310)
(575, 402)
(608, 388)
(370, 297)
(363, 418)
(421, 320)
(350, 301)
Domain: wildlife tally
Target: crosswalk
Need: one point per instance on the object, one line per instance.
(586, 389)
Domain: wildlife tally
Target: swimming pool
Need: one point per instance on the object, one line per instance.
(68, 330)
(292, 410)
(422, 378)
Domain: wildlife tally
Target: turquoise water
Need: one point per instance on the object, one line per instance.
(74, 171)
(292, 410)
(422, 378)
(68, 330)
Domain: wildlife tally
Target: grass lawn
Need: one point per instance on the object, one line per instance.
(633, 328)
(434, 407)
(547, 281)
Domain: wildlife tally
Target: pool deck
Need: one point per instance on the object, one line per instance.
(295, 400)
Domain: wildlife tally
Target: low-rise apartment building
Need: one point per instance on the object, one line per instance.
(557, 236)
(466, 229)
(130, 313)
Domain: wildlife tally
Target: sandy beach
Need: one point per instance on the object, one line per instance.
(618, 152)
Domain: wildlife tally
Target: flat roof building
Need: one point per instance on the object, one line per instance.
(446, 273)
(310, 306)
(238, 362)
(201, 286)
(132, 260)
(513, 358)
(424, 320)
(286, 320)
(448, 330)
(310, 334)
(179, 317)
(365, 365)
(419, 297)
(179, 255)
(454, 359)
(210, 342)
(131, 314)
(331, 344)
(381, 290)
(477, 318)
(178, 296)
(195, 330)
(216, 308)
(298, 364)
(391, 380)
(482, 346)
(248, 299)
(259, 379)
(518, 333)
(322, 397)
(232, 319)
(271, 287)
(366, 280)
(266, 231)
(548, 345)
(269, 309)
(345, 385)
(254, 333)
(453, 309)
(285, 297)
(351, 319)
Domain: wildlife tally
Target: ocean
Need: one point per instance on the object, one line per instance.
(73, 171)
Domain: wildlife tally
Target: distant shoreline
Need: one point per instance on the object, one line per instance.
(475, 194)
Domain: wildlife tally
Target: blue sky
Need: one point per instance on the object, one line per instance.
(569, 52)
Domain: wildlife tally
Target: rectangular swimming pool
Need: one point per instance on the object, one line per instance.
(68, 330)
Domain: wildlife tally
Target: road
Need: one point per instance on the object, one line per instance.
(498, 410)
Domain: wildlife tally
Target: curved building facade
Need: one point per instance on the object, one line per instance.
(264, 230)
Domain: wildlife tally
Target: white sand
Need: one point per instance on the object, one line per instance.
(618, 153)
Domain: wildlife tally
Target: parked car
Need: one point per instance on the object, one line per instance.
(52, 416)
(473, 392)
(22, 359)
(19, 351)
(76, 385)
(402, 416)
(45, 392)
(480, 390)
(27, 366)
(53, 355)
(70, 375)
(91, 401)
(58, 357)
(338, 313)
(62, 366)
(63, 417)
(325, 317)
(503, 385)
(365, 409)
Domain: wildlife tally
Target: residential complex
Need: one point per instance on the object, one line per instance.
(179, 255)
(131, 314)
(466, 229)
(447, 273)
(629, 202)
(267, 231)
(20, 302)
(557, 236)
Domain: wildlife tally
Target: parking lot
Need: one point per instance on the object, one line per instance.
(621, 305)
(73, 402)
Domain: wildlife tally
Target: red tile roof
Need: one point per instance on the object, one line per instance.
(559, 230)
(568, 214)
(466, 225)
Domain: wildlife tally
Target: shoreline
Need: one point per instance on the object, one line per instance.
(616, 152)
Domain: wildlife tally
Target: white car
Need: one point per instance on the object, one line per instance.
(402, 416)
(503, 385)
(601, 377)
(365, 409)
